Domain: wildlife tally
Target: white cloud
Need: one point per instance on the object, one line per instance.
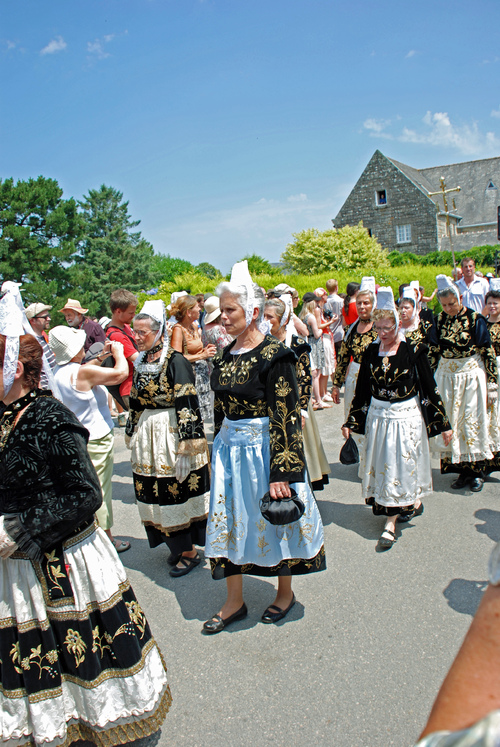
(411, 53)
(376, 127)
(97, 49)
(297, 198)
(495, 113)
(440, 131)
(55, 45)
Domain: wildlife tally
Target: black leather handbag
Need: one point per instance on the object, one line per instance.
(282, 510)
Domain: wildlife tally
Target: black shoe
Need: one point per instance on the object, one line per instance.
(408, 517)
(269, 616)
(385, 543)
(188, 565)
(477, 484)
(217, 623)
(174, 558)
(460, 482)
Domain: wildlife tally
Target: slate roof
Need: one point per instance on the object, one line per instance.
(475, 202)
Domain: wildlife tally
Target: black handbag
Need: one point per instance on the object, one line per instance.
(349, 453)
(282, 510)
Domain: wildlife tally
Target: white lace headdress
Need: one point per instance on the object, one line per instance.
(13, 324)
(156, 310)
(288, 314)
(240, 275)
(368, 284)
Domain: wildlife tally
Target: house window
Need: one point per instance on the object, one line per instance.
(403, 234)
(381, 197)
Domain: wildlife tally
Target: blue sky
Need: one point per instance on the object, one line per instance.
(231, 124)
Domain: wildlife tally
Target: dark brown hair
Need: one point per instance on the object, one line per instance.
(121, 299)
(30, 355)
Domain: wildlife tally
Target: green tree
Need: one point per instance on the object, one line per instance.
(165, 268)
(111, 254)
(349, 248)
(205, 268)
(39, 232)
(258, 265)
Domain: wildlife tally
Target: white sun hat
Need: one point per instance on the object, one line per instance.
(66, 342)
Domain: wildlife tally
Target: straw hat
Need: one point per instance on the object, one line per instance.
(73, 305)
(212, 309)
(65, 343)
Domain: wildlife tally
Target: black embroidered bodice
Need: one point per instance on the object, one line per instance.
(48, 485)
(263, 383)
(353, 346)
(494, 330)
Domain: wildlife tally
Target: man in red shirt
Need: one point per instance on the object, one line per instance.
(123, 305)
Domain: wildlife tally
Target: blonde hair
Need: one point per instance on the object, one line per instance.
(383, 314)
(181, 306)
(307, 308)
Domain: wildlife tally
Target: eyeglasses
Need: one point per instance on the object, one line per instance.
(385, 330)
(42, 316)
(142, 333)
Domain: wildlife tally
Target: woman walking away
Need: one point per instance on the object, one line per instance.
(394, 380)
(169, 450)
(257, 450)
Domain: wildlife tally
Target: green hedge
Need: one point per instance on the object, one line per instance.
(482, 255)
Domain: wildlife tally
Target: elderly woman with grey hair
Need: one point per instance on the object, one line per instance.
(257, 449)
(466, 376)
(169, 450)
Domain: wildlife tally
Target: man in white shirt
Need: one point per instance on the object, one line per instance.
(335, 304)
(473, 289)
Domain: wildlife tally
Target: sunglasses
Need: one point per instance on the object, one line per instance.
(42, 316)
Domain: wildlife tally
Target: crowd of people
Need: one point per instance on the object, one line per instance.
(243, 362)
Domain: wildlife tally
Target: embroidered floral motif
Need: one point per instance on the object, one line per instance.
(137, 615)
(54, 571)
(35, 658)
(193, 481)
(75, 645)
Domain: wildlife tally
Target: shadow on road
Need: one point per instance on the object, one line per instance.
(464, 596)
(491, 526)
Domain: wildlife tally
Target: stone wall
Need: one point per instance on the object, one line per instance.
(406, 204)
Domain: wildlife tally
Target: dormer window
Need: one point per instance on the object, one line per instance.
(381, 197)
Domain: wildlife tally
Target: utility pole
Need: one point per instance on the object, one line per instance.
(443, 192)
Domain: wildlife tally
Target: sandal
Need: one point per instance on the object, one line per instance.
(121, 545)
(387, 539)
(188, 565)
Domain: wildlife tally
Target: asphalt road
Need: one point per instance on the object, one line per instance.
(359, 659)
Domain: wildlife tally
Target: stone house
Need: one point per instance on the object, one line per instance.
(393, 202)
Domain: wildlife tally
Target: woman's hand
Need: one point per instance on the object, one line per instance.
(209, 351)
(346, 432)
(336, 395)
(279, 490)
(302, 422)
(447, 436)
(7, 544)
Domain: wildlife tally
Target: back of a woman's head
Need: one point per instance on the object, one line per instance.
(181, 306)
(277, 304)
(30, 355)
(351, 290)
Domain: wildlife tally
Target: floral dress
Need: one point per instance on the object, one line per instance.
(78, 658)
(258, 440)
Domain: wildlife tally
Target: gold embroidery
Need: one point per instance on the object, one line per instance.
(193, 481)
(54, 571)
(75, 645)
(137, 615)
(186, 416)
(235, 372)
(269, 351)
(174, 489)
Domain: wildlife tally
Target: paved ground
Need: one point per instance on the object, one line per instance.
(360, 657)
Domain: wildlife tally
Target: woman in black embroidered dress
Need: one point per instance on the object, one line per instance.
(394, 382)
(466, 376)
(169, 450)
(257, 448)
(78, 659)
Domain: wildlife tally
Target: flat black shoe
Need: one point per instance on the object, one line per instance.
(217, 623)
(174, 558)
(385, 543)
(408, 517)
(272, 614)
(188, 565)
(460, 482)
(476, 484)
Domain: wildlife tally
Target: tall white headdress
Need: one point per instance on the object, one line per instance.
(409, 294)
(385, 302)
(288, 314)
(240, 275)
(13, 324)
(368, 284)
(446, 283)
(495, 284)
